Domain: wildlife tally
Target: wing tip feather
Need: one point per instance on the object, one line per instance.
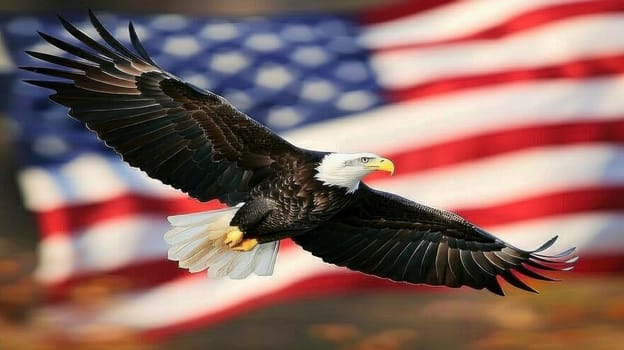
(138, 46)
(562, 261)
(63, 21)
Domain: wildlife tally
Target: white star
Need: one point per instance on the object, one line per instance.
(239, 99)
(229, 62)
(318, 90)
(220, 31)
(121, 33)
(310, 56)
(50, 146)
(264, 42)
(355, 100)
(199, 80)
(275, 77)
(183, 46)
(170, 23)
(351, 71)
(284, 117)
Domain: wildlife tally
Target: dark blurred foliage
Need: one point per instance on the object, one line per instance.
(212, 7)
(579, 313)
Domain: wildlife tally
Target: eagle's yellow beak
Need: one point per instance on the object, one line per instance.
(382, 164)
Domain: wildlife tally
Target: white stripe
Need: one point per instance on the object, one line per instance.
(175, 302)
(554, 44)
(449, 21)
(592, 233)
(421, 122)
(475, 111)
(517, 175)
(94, 175)
(88, 178)
(103, 246)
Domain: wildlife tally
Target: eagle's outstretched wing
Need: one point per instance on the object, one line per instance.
(389, 236)
(180, 134)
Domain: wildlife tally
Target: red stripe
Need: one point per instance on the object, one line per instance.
(73, 218)
(604, 198)
(593, 264)
(524, 21)
(80, 216)
(346, 283)
(474, 147)
(584, 200)
(398, 9)
(580, 69)
(139, 275)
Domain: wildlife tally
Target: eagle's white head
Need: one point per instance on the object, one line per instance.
(347, 169)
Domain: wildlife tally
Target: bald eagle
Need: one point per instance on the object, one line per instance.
(197, 142)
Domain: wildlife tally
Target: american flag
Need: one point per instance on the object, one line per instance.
(507, 112)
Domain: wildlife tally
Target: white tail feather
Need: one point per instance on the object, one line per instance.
(197, 243)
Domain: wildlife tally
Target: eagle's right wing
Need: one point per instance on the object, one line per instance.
(389, 236)
(180, 134)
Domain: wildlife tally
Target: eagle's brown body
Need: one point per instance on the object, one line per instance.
(290, 201)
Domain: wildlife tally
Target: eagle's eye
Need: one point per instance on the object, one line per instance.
(364, 159)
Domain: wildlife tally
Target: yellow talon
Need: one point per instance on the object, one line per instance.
(234, 240)
(233, 237)
(246, 245)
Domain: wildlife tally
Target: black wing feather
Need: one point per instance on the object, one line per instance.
(176, 132)
(136, 42)
(391, 237)
(109, 39)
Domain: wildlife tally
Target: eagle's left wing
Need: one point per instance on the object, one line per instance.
(184, 136)
(389, 236)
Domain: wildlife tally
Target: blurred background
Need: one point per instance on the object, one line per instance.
(507, 112)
